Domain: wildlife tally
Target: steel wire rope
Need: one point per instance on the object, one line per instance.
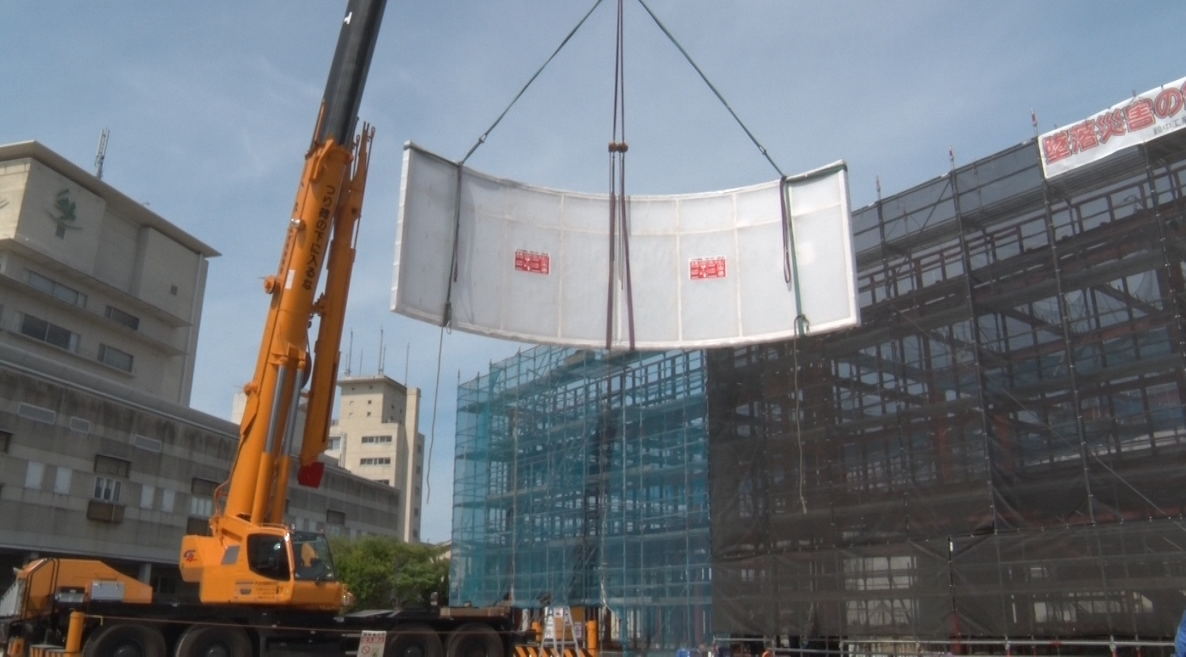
(676, 43)
(618, 216)
(790, 265)
(790, 259)
(447, 313)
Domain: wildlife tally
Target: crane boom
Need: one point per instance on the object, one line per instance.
(248, 540)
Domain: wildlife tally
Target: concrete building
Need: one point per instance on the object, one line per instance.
(100, 456)
(377, 437)
(92, 278)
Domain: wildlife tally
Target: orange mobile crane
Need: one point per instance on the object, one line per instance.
(263, 589)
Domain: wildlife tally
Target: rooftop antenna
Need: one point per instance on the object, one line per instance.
(101, 153)
(350, 352)
(382, 351)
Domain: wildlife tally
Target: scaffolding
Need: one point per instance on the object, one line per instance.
(997, 452)
(581, 479)
(991, 462)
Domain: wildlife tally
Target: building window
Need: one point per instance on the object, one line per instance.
(110, 473)
(145, 443)
(376, 460)
(120, 317)
(335, 517)
(62, 480)
(48, 332)
(117, 358)
(107, 488)
(147, 496)
(376, 440)
(34, 473)
(335, 443)
(201, 500)
(37, 413)
(80, 425)
(168, 495)
(56, 289)
(5, 438)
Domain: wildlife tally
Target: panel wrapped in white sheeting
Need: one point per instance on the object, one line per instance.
(704, 270)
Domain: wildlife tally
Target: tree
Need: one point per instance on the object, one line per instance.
(383, 572)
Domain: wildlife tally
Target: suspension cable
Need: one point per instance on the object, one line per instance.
(670, 37)
(619, 222)
(482, 139)
(447, 313)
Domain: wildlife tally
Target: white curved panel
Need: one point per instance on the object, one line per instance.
(533, 264)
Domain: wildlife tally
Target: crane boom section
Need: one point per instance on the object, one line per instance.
(248, 538)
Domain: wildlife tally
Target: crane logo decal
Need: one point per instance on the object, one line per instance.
(63, 213)
(320, 233)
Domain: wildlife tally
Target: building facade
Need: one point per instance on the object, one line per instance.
(377, 437)
(99, 454)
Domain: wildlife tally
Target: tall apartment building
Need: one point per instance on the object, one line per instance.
(99, 455)
(377, 437)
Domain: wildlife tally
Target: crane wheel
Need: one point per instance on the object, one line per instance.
(413, 641)
(213, 641)
(474, 640)
(124, 640)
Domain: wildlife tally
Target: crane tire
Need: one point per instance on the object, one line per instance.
(213, 641)
(124, 640)
(474, 640)
(413, 641)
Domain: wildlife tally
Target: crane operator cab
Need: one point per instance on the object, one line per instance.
(271, 566)
(313, 558)
(268, 555)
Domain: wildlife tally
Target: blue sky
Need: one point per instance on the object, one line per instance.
(211, 105)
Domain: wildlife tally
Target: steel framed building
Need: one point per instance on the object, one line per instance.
(996, 453)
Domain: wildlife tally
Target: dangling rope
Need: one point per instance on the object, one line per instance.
(761, 148)
(618, 205)
(790, 266)
(482, 139)
(790, 258)
(447, 313)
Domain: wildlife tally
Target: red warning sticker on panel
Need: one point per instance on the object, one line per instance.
(704, 268)
(533, 262)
